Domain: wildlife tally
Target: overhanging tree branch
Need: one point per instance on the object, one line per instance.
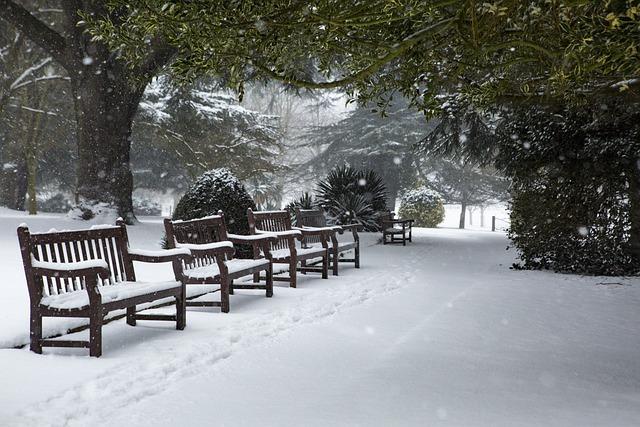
(38, 32)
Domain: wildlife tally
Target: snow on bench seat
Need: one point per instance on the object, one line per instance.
(285, 253)
(234, 266)
(393, 230)
(109, 293)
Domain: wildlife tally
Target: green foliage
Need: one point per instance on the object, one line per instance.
(353, 196)
(575, 188)
(215, 190)
(181, 132)
(423, 205)
(305, 201)
(502, 49)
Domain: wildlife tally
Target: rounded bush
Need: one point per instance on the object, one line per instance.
(422, 205)
(218, 189)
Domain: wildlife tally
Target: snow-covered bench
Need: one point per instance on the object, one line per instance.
(283, 248)
(314, 219)
(88, 273)
(398, 230)
(213, 256)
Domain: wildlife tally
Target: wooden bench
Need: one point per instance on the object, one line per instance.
(398, 230)
(315, 219)
(283, 250)
(213, 256)
(88, 273)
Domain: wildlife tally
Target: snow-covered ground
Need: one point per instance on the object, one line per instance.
(440, 332)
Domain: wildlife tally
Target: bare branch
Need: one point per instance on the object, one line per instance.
(37, 31)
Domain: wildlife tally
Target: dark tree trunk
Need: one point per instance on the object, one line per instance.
(463, 211)
(104, 114)
(105, 99)
(634, 207)
(20, 191)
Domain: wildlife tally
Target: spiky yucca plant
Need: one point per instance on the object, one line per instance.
(305, 201)
(353, 196)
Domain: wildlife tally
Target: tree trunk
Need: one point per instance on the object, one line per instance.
(634, 206)
(20, 192)
(105, 108)
(462, 212)
(482, 208)
(470, 215)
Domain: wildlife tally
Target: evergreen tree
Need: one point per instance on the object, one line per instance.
(366, 139)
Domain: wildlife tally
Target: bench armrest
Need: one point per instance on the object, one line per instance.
(154, 256)
(253, 238)
(212, 249)
(330, 228)
(284, 233)
(94, 267)
(397, 221)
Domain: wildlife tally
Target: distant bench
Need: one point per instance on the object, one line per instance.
(88, 273)
(395, 230)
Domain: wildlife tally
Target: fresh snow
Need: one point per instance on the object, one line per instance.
(109, 293)
(440, 332)
(159, 253)
(69, 266)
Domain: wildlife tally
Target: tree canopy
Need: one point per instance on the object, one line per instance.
(488, 51)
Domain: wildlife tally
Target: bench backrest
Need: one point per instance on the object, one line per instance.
(108, 243)
(270, 221)
(210, 229)
(311, 218)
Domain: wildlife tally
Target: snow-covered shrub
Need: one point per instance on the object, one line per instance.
(423, 205)
(353, 196)
(575, 188)
(100, 211)
(218, 189)
(57, 203)
(146, 207)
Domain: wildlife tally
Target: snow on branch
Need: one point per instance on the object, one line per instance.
(28, 72)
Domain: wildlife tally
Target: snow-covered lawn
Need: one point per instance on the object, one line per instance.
(440, 332)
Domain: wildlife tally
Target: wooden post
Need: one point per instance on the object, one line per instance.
(493, 223)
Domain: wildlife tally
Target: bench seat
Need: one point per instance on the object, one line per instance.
(302, 253)
(110, 293)
(235, 266)
(393, 230)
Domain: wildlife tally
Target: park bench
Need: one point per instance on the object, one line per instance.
(284, 250)
(397, 230)
(213, 256)
(88, 273)
(314, 219)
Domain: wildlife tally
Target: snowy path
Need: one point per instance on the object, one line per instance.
(444, 333)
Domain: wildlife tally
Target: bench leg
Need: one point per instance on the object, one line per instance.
(36, 331)
(384, 239)
(357, 255)
(256, 277)
(336, 254)
(325, 265)
(224, 295)
(270, 281)
(181, 311)
(95, 333)
(231, 287)
(303, 264)
(131, 316)
(293, 275)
